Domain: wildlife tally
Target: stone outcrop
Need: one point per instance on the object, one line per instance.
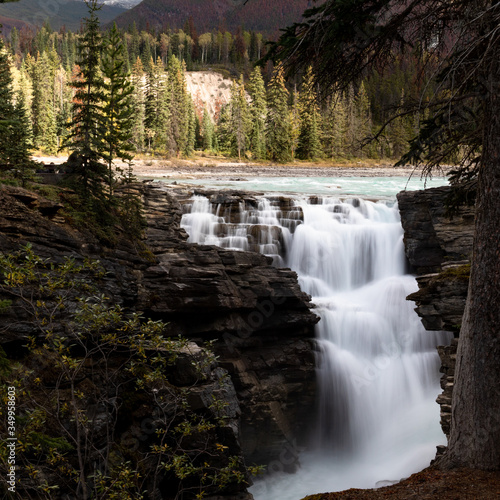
(259, 319)
(441, 297)
(256, 313)
(431, 236)
(439, 248)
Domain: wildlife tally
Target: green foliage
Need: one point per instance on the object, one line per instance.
(42, 73)
(278, 128)
(334, 127)
(88, 126)
(77, 388)
(157, 108)
(14, 136)
(239, 118)
(139, 107)
(207, 131)
(117, 108)
(309, 146)
(181, 124)
(258, 110)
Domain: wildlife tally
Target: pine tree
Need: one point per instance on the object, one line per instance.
(309, 146)
(258, 111)
(334, 126)
(398, 133)
(88, 124)
(21, 140)
(178, 103)
(14, 126)
(26, 95)
(62, 103)
(363, 121)
(14, 41)
(138, 103)
(295, 121)
(223, 132)
(117, 104)
(134, 51)
(240, 118)
(157, 108)
(278, 138)
(207, 131)
(191, 125)
(43, 115)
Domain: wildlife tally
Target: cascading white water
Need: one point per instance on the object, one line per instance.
(377, 368)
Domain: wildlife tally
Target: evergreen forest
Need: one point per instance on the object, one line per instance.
(267, 118)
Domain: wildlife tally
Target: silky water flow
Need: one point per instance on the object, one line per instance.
(378, 368)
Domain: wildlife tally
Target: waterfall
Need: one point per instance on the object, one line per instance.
(377, 367)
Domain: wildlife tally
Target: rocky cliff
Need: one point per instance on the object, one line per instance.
(439, 248)
(257, 316)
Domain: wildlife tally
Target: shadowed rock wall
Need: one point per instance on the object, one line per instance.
(439, 249)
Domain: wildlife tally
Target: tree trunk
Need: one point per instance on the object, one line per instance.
(475, 428)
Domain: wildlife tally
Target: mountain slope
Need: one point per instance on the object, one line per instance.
(207, 14)
(269, 17)
(58, 14)
(8, 23)
(260, 15)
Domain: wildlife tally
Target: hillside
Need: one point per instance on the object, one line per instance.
(259, 15)
(8, 23)
(268, 17)
(58, 14)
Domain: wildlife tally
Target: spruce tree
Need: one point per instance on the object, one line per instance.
(207, 131)
(240, 118)
(334, 126)
(295, 121)
(309, 146)
(398, 132)
(21, 140)
(62, 103)
(14, 41)
(223, 131)
(26, 95)
(178, 103)
(192, 121)
(157, 109)
(138, 103)
(258, 111)
(362, 121)
(88, 124)
(117, 109)
(278, 138)
(14, 127)
(43, 115)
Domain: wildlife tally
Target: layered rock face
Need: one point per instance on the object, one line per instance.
(259, 319)
(439, 249)
(257, 314)
(432, 238)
